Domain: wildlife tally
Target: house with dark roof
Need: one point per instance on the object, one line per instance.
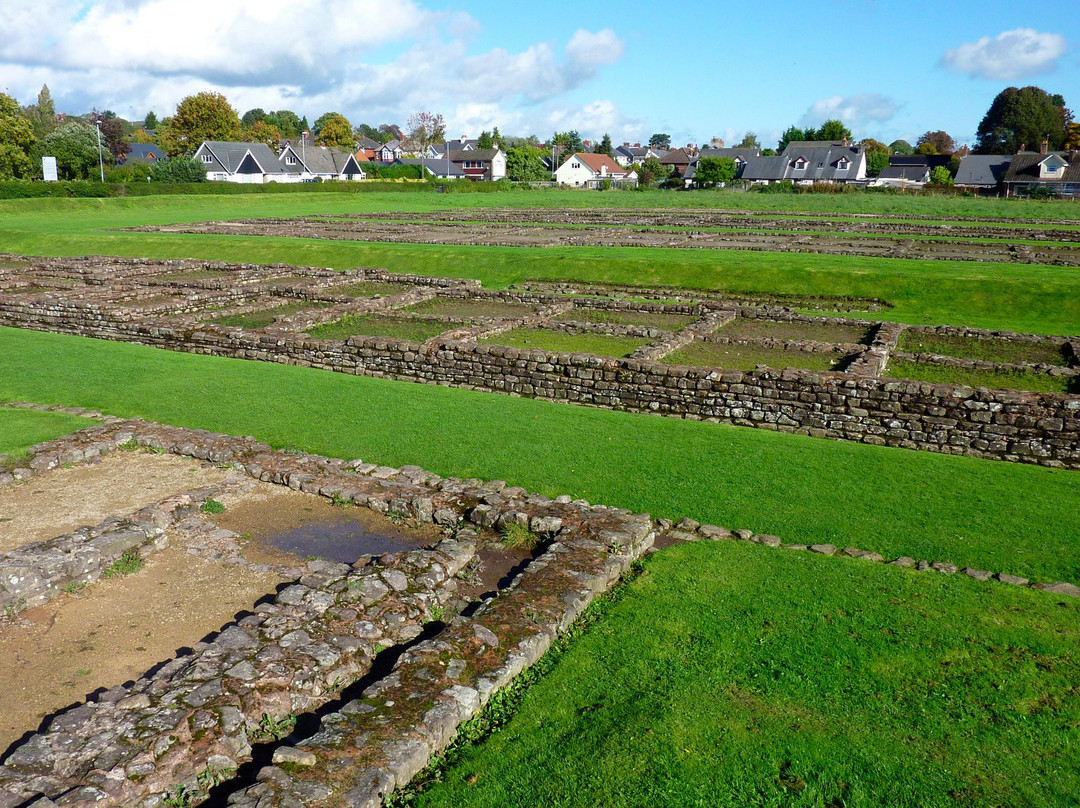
(739, 155)
(252, 163)
(911, 176)
(588, 170)
(1057, 173)
(983, 172)
(142, 153)
(438, 167)
(627, 155)
(321, 163)
(808, 162)
(678, 160)
(390, 151)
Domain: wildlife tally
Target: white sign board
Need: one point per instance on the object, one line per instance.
(48, 168)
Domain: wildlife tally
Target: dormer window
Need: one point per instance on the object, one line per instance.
(843, 164)
(1053, 166)
(799, 164)
(290, 160)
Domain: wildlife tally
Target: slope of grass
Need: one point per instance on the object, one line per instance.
(732, 675)
(1028, 298)
(986, 514)
(20, 429)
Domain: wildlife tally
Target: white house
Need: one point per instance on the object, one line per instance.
(584, 170)
(321, 163)
(251, 163)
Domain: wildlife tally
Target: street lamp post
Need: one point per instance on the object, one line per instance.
(101, 160)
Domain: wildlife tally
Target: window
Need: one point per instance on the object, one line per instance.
(843, 164)
(290, 160)
(799, 164)
(208, 158)
(575, 165)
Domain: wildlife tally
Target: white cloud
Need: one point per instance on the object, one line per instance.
(1010, 55)
(852, 110)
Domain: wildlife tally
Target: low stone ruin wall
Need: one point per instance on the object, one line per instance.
(173, 734)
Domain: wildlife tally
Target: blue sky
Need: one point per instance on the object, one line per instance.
(888, 69)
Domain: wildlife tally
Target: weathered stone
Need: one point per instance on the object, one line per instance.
(823, 549)
(767, 539)
(903, 561)
(294, 756)
(1059, 588)
(978, 575)
(1015, 580)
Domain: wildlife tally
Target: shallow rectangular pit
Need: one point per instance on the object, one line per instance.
(837, 333)
(668, 321)
(261, 318)
(414, 329)
(193, 275)
(370, 289)
(733, 356)
(471, 307)
(994, 380)
(542, 339)
(987, 349)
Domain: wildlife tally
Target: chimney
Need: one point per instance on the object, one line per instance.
(1045, 147)
(626, 144)
(1023, 147)
(637, 145)
(845, 140)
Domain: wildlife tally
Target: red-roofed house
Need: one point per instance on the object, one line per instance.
(590, 170)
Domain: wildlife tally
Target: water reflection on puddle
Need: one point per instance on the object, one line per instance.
(344, 541)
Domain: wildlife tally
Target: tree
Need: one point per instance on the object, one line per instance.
(877, 156)
(288, 122)
(832, 129)
(366, 130)
(485, 141)
(940, 175)
(652, 170)
(567, 143)
(16, 140)
(496, 138)
(141, 136)
(426, 128)
(941, 141)
(178, 169)
(42, 116)
(389, 131)
(605, 146)
(1072, 136)
(660, 140)
(335, 131)
(199, 117)
(150, 121)
(790, 134)
(713, 171)
(524, 163)
(74, 145)
(263, 132)
(1020, 117)
(112, 135)
(749, 141)
(901, 147)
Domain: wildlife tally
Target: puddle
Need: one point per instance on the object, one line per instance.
(343, 540)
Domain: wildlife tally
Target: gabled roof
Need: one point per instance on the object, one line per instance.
(982, 169)
(390, 144)
(228, 157)
(822, 164)
(596, 162)
(436, 165)
(144, 153)
(928, 160)
(916, 173)
(324, 160)
(473, 155)
(367, 143)
(1025, 167)
(676, 157)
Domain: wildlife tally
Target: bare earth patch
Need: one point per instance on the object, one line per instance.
(64, 500)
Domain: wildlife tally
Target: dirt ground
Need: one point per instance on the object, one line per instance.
(66, 499)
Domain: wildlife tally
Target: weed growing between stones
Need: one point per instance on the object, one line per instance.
(212, 506)
(339, 501)
(274, 729)
(74, 588)
(515, 535)
(126, 564)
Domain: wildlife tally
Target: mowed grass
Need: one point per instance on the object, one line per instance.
(992, 379)
(1025, 298)
(753, 328)
(731, 356)
(20, 429)
(988, 350)
(984, 514)
(380, 325)
(730, 675)
(542, 339)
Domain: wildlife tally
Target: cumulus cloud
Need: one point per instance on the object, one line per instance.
(1010, 55)
(852, 110)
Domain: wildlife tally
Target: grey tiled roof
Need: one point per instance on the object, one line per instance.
(983, 170)
(326, 160)
(1025, 168)
(915, 173)
(821, 164)
(229, 156)
(436, 165)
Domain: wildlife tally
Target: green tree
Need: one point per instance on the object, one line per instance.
(876, 162)
(497, 139)
(16, 140)
(485, 141)
(605, 146)
(150, 121)
(74, 144)
(941, 141)
(366, 130)
(929, 149)
(199, 117)
(901, 147)
(288, 122)
(652, 170)
(263, 132)
(793, 133)
(524, 163)
(335, 131)
(184, 168)
(1020, 117)
(660, 140)
(940, 175)
(567, 143)
(832, 129)
(713, 171)
(42, 116)
(749, 141)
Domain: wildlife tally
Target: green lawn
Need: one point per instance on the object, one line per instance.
(543, 339)
(985, 514)
(380, 325)
(993, 379)
(989, 350)
(732, 356)
(734, 675)
(1026, 298)
(20, 429)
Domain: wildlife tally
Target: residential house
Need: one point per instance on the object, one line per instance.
(366, 149)
(678, 160)
(1050, 172)
(252, 163)
(806, 162)
(142, 153)
(390, 151)
(983, 172)
(321, 163)
(586, 170)
(463, 143)
(627, 155)
(739, 155)
(902, 176)
(438, 167)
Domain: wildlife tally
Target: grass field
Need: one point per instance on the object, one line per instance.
(993, 379)
(380, 325)
(747, 357)
(20, 429)
(731, 675)
(984, 514)
(1024, 298)
(543, 339)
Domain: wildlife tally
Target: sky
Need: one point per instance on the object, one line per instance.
(695, 71)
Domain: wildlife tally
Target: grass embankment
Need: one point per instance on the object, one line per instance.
(732, 675)
(20, 429)
(1026, 298)
(984, 514)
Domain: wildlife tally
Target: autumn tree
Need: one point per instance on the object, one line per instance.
(388, 132)
(335, 131)
(16, 140)
(940, 140)
(199, 117)
(1072, 136)
(426, 128)
(263, 132)
(112, 136)
(1021, 117)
